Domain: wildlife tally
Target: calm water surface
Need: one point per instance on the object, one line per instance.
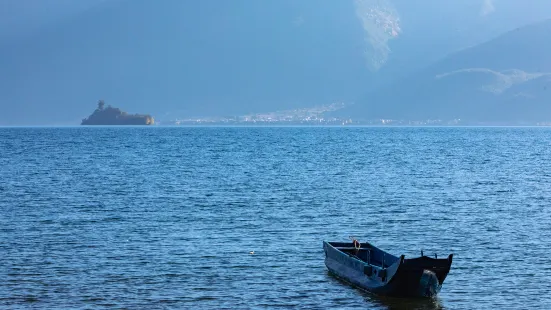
(166, 217)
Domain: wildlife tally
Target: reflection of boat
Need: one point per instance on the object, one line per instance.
(377, 271)
(389, 302)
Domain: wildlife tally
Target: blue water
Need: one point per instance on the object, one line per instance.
(167, 217)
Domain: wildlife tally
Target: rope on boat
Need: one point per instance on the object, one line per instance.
(356, 243)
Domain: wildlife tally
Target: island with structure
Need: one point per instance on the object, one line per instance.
(114, 116)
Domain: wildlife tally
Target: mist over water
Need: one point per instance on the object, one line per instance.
(167, 217)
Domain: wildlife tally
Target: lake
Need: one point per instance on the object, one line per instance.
(166, 217)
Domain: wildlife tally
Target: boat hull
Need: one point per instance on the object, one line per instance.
(397, 276)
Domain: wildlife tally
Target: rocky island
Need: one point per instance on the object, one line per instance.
(114, 116)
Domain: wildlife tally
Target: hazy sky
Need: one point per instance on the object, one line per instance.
(21, 16)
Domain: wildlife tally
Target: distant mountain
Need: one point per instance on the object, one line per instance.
(406, 35)
(186, 58)
(505, 80)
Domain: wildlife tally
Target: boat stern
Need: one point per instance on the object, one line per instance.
(424, 276)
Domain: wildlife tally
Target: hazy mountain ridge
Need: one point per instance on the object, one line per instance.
(434, 29)
(507, 79)
(499, 81)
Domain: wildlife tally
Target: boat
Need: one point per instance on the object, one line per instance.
(374, 270)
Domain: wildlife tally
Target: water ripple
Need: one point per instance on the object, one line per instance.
(167, 217)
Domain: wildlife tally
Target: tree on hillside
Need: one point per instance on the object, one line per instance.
(101, 104)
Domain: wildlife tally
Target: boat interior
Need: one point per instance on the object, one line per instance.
(367, 253)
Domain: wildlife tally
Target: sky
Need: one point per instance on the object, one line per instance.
(18, 17)
(22, 16)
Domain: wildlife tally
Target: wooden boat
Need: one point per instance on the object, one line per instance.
(374, 270)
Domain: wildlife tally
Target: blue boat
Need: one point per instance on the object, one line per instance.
(372, 269)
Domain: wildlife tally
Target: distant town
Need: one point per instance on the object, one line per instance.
(316, 116)
(305, 116)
